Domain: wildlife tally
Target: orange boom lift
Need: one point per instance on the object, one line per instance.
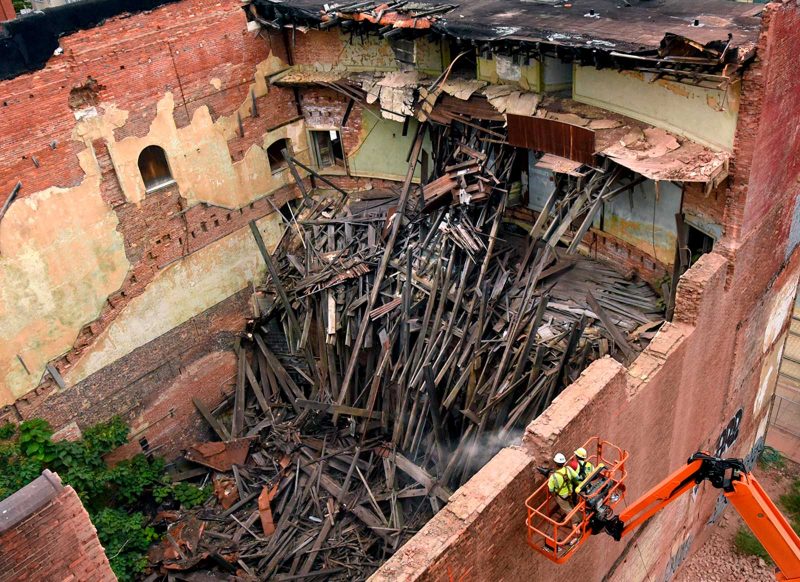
(602, 490)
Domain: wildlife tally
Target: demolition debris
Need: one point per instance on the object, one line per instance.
(402, 338)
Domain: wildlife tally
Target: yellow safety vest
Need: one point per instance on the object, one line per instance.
(584, 470)
(561, 481)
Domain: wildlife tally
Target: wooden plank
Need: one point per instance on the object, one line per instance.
(273, 273)
(237, 421)
(422, 477)
(381, 272)
(215, 425)
(333, 408)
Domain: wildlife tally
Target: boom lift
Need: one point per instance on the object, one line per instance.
(602, 490)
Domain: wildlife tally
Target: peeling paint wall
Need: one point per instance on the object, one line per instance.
(334, 49)
(180, 292)
(539, 76)
(501, 69)
(92, 267)
(645, 218)
(707, 116)
(382, 148)
(60, 257)
(198, 154)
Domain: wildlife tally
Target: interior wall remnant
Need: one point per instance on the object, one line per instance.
(645, 217)
(541, 183)
(199, 154)
(382, 149)
(325, 50)
(541, 76)
(60, 258)
(705, 115)
(179, 292)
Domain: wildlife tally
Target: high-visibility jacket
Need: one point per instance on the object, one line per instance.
(584, 469)
(562, 481)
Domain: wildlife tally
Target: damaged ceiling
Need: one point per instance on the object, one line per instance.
(603, 26)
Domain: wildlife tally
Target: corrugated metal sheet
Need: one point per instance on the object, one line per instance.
(552, 137)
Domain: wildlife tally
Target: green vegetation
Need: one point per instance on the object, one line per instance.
(20, 4)
(111, 495)
(771, 458)
(745, 542)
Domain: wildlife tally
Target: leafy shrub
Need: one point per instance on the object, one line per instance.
(111, 495)
(8, 430)
(125, 539)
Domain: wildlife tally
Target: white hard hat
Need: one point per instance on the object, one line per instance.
(560, 458)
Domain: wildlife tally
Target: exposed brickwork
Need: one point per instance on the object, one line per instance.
(202, 53)
(57, 542)
(625, 256)
(325, 109)
(134, 384)
(317, 46)
(7, 11)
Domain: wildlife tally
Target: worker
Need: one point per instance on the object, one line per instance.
(582, 467)
(562, 485)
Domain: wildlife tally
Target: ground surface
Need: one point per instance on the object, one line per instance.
(717, 560)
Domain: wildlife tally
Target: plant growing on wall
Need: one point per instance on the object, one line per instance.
(111, 495)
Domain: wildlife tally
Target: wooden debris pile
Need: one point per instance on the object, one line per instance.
(398, 345)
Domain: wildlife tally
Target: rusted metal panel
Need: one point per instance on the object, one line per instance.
(552, 137)
(220, 456)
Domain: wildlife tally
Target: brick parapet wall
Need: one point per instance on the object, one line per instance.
(56, 542)
(766, 161)
(674, 399)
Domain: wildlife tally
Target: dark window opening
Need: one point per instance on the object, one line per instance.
(466, 66)
(288, 211)
(328, 149)
(698, 243)
(154, 168)
(403, 50)
(275, 155)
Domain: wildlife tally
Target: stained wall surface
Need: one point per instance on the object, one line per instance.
(99, 276)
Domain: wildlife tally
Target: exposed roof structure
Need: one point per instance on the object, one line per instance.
(624, 25)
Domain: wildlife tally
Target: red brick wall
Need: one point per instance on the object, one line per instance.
(57, 542)
(624, 256)
(134, 61)
(325, 108)
(7, 11)
(767, 146)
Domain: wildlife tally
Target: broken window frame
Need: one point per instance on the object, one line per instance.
(705, 242)
(158, 179)
(331, 163)
(280, 164)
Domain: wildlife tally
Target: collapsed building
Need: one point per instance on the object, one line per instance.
(432, 242)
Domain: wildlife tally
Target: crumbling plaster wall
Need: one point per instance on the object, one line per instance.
(125, 291)
(374, 147)
(53, 280)
(705, 115)
(336, 49)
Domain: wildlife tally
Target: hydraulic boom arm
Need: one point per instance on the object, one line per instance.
(743, 491)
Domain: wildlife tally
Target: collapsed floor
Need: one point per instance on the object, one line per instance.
(366, 401)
